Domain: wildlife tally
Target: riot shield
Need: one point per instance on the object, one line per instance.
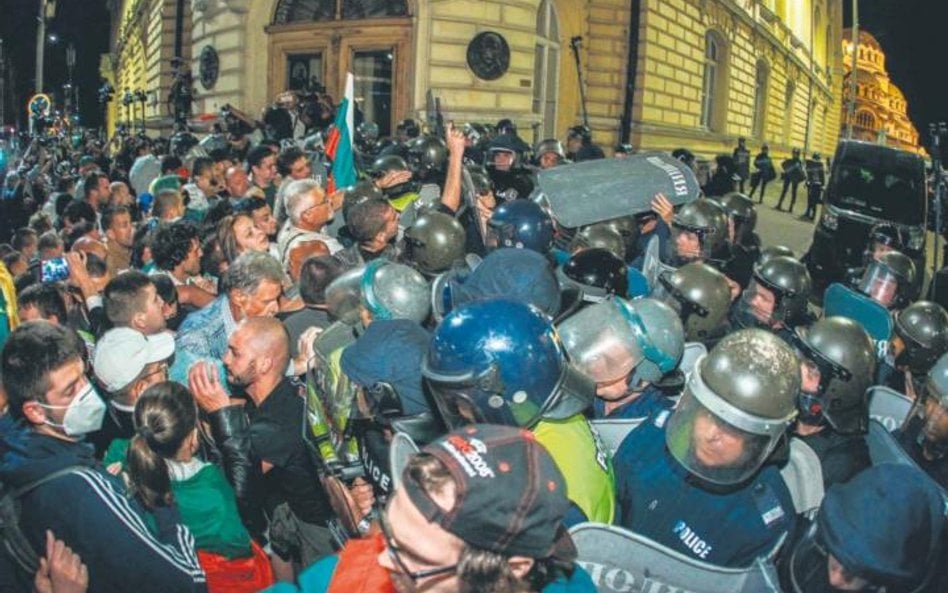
(693, 351)
(592, 191)
(803, 475)
(400, 449)
(653, 268)
(620, 561)
(613, 431)
(888, 407)
(883, 448)
(845, 302)
(330, 400)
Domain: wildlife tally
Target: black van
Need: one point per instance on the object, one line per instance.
(868, 184)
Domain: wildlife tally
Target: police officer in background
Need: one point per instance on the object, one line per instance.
(742, 162)
(815, 181)
(504, 162)
(697, 479)
(793, 174)
(837, 363)
(549, 153)
(764, 172)
(579, 145)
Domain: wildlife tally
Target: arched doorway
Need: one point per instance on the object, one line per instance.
(314, 43)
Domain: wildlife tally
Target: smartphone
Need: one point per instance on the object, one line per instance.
(54, 270)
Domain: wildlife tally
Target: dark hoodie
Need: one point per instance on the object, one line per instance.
(89, 511)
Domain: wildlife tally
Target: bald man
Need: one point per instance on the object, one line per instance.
(256, 360)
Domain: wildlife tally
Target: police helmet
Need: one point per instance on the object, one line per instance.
(701, 296)
(624, 149)
(386, 164)
(706, 219)
(596, 274)
(599, 235)
(745, 387)
(741, 210)
(521, 224)
(505, 143)
(937, 385)
(181, 143)
(582, 132)
(367, 132)
(890, 280)
(774, 251)
(550, 145)
(214, 143)
(362, 191)
(409, 127)
(387, 290)
(434, 242)
(788, 281)
(642, 340)
(426, 154)
(628, 227)
(840, 352)
(922, 328)
(506, 127)
(480, 179)
(502, 362)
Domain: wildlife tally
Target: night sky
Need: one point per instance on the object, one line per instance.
(908, 31)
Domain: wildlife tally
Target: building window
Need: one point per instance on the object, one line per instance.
(760, 99)
(546, 70)
(308, 11)
(714, 82)
(788, 110)
(864, 119)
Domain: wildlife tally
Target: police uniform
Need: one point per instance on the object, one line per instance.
(660, 499)
(651, 401)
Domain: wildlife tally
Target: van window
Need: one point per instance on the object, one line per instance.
(882, 185)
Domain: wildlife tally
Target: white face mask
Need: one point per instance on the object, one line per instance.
(84, 414)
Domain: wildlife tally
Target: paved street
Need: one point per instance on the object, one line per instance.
(781, 228)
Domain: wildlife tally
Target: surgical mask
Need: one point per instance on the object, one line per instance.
(84, 414)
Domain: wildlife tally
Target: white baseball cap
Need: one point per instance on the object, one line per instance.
(121, 355)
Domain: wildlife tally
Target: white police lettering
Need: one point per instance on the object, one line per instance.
(677, 177)
(468, 453)
(377, 474)
(691, 540)
(772, 515)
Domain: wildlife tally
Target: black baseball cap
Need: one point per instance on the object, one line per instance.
(510, 496)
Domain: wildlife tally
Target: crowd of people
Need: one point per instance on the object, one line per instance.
(210, 355)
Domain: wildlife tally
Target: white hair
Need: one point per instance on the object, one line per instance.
(297, 200)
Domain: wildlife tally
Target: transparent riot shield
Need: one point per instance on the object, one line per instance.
(330, 402)
(693, 351)
(845, 302)
(653, 268)
(613, 431)
(401, 448)
(883, 448)
(592, 191)
(888, 407)
(620, 561)
(803, 475)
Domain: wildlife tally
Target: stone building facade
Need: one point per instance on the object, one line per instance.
(657, 73)
(880, 113)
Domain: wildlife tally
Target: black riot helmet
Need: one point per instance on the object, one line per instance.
(480, 179)
(359, 193)
(581, 132)
(838, 356)
(701, 296)
(596, 273)
(922, 329)
(774, 251)
(599, 235)
(409, 128)
(628, 227)
(890, 280)
(788, 281)
(426, 155)
(181, 143)
(550, 145)
(386, 164)
(434, 242)
(742, 213)
(706, 219)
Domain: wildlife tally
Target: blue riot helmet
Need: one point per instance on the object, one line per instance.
(502, 362)
(521, 224)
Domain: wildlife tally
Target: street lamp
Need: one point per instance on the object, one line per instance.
(47, 10)
(851, 115)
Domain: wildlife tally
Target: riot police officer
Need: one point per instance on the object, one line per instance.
(549, 153)
(626, 347)
(745, 244)
(434, 243)
(702, 298)
(919, 338)
(776, 298)
(501, 362)
(594, 275)
(379, 290)
(764, 172)
(793, 174)
(925, 435)
(579, 145)
(697, 480)
(393, 176)
(815, 181)
(521, 224)
(837, 364)
(699, 233)
(741, 158)
(506, 168)
(599, 235)
(890, 280)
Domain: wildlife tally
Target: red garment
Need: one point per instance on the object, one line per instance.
(240, 575)
(358, 570)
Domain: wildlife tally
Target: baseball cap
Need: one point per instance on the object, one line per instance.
(510, 496)
(122, 354)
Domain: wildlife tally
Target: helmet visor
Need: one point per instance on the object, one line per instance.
(600, 342)
(713, 448)
(880, 284)
(809, 561)
(687, 244)
(757, 306)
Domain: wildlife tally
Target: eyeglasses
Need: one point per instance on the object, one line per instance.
(162, 369)
(392, 549)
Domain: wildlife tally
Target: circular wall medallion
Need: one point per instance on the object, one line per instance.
(488, 55)
(210, 67)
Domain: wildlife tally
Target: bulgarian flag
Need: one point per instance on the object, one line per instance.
(339, 144)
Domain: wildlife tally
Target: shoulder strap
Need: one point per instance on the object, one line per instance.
(14, 541)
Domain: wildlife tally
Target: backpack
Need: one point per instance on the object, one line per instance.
(12, 537)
